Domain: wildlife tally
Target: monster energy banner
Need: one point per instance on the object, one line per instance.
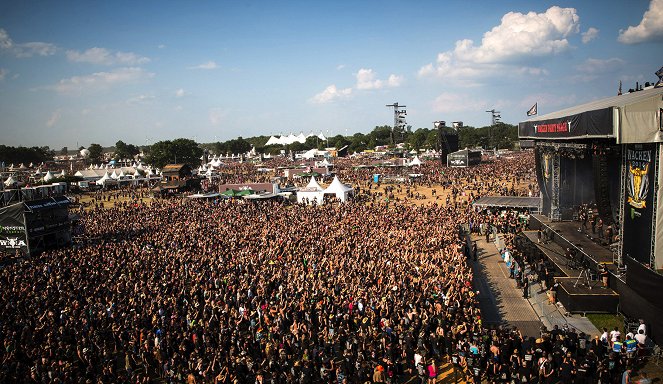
(12, 229)
(638, 207)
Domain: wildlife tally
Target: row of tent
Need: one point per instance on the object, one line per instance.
(286, 140)
(49, 176)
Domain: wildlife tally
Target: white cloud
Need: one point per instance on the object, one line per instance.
(518, 38)
(34, 48)
(454, 102)
(140, 99)
(395, 80)
(366, 80)
(601, 66)
(589, 35)
(331, 93)
(3, 73)
(340, 66)
(649, 29)
(179, 108)
(207, 65)
(55, 117)
(6, 42)
(101, 80)
(180, 92)
(103, 56)
(216, 116)
(161, 46)
(593, 69)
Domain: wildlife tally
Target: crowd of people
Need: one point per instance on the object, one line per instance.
(231, 291)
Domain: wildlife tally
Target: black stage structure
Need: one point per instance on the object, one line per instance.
(601, 160)
(531, 204)
(30, 227)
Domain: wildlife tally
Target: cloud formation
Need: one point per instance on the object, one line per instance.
(102, 56)
(519, 38)
(3, 73)
(600, 66)
(100, 80)
(331, 93)
(179, 92)
(34, 48)
(55, 117)
(207, 65)
(589, 35)
(649, 29)
(366, 80)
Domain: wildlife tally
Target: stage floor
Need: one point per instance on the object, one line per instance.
(555, 253)
(568, 231)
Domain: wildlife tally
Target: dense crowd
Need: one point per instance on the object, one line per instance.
(240, 292)
(230, 291)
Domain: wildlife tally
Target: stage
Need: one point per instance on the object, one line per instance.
(578, 295)
(566, 235)
(580, 289)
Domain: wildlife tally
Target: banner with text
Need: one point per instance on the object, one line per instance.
(639, 199)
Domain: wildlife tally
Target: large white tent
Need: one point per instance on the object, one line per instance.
(313, 193)
(339, 189)
(415, 162)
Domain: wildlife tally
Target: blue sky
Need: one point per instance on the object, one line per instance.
(97, 72)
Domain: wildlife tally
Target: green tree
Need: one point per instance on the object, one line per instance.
(180, 151)
(17, 155)
(64, 151)
(125, 151)
(381, 135)
(96, 153)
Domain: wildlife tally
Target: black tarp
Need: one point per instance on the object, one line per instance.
(646, 282)
(12, 229)
(598, 123)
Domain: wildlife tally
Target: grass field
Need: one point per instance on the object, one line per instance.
(608, 321)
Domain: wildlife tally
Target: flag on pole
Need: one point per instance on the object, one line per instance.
(532, 111)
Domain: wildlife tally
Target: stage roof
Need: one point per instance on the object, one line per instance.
(508, 202)
(630, 118)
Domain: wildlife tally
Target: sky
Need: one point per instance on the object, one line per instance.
(79, 72)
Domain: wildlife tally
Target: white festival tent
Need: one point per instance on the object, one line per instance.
(339, 189)
(49, 176)
(10, 181)
(415, 162)
(313, 193)
(105, 179)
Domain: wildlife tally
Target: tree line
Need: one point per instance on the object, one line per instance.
(188, 151)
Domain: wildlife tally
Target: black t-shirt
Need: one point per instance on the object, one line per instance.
(565, 371)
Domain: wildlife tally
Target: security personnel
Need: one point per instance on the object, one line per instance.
(631, 346)
(617, 346)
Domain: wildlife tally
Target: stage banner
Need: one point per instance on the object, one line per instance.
(639, 199)
(597, 123)
(12, 229)
(543, 164)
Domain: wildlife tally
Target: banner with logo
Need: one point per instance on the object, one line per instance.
(639, 199)
(12, 229)
(597, 123)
